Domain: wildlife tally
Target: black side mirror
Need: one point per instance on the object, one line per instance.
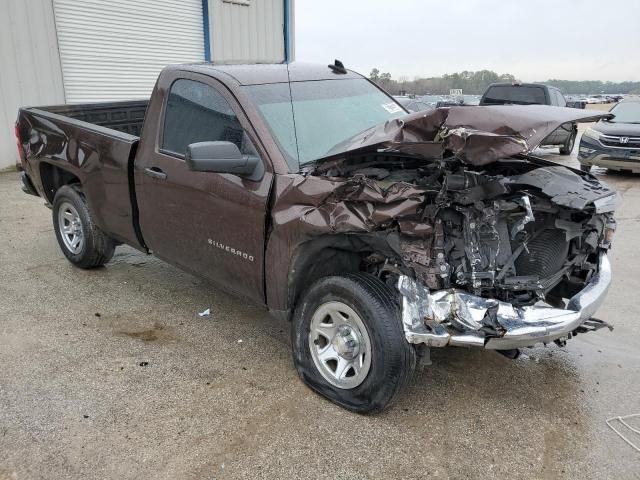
(219, 157)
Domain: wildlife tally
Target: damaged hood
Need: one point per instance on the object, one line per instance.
(478, 135)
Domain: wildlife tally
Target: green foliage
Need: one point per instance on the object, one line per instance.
(475, 83)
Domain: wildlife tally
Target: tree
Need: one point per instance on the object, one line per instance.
(477, 82)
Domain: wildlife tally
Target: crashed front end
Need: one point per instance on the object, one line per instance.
(485, 245)
(514, 264)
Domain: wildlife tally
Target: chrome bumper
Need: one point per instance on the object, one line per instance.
(454, 317)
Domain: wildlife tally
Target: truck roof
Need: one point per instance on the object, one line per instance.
(261, 73)
(520, 84)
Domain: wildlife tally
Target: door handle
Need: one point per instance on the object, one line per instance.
(155, 172)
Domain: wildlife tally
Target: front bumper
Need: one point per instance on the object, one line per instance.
(592, 152)
(454, 317)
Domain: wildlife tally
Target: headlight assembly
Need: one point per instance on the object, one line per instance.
(591, 133)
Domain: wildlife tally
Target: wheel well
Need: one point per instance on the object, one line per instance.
(331, 255)
(54, 177)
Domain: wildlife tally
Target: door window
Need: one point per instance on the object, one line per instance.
(196, 112)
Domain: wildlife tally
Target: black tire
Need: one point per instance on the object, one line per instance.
(97, 248)
(585, 168)
(393, 359)
(567, 148)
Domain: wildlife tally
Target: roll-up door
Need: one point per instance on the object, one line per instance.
(114, 50)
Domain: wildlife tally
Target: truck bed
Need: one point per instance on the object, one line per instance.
(96, 143)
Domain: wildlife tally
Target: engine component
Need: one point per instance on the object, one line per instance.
(501, 232)
(545, 254)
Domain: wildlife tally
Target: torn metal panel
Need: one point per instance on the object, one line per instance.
(478, 135)
(567, 188)
(415, 306)
(357, 204)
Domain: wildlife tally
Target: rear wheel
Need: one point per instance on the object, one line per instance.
(567, 148)
(348, 342)
(81, 241)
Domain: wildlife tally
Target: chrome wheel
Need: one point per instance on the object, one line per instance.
(340, 345)
(70, 228)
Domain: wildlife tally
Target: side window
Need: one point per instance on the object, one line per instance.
(198, 113)
(561, 101)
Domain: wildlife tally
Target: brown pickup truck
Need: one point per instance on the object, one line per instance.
(378, 234)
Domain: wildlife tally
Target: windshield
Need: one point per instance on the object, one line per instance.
(519, 95)
(326, 112)
(626, 113)
(404, 101)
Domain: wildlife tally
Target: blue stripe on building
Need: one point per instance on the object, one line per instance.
(205, 27)
(286, 30)
(287, 24)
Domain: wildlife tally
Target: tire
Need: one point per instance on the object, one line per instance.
(81, 241)
(392, 358)
(585, 168)
(567, 148)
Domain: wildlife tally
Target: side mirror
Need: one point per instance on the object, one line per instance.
(219, 157)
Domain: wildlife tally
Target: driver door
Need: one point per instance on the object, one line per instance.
(211, 224)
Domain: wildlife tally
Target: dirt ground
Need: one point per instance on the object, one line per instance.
(111, 373)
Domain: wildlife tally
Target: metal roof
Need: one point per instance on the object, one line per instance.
(260, 73)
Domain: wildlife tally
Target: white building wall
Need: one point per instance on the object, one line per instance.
(30, 71)
(114, 49)
(245, 31)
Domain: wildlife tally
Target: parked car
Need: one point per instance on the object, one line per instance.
(471, 99)
(431, 100)
(614, 143)
(309, 190)
(450, 101)
(413, 104)
(534, 94)
(458, 100)
(595, 99)
(574, 101)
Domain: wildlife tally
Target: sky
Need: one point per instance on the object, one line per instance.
(534, 39)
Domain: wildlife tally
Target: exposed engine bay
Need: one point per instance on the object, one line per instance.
(512, 230)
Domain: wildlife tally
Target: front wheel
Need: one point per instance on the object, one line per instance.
(81, 241)
(567, 148)
(348, 342)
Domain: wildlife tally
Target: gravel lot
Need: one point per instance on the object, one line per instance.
(111, 373)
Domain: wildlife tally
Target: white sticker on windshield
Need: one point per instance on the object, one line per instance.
(391, 107)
